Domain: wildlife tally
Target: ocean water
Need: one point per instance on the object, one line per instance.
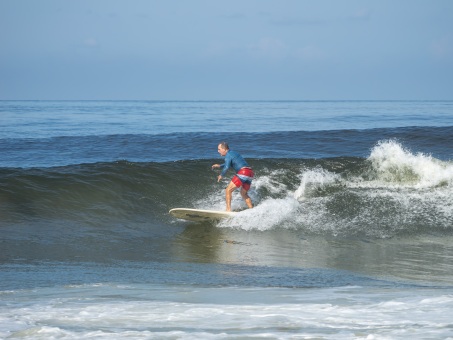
(351, 236)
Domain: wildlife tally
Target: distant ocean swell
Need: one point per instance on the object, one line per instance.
(164, 147)
(391, 192)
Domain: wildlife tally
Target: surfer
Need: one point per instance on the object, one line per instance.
(242, 179)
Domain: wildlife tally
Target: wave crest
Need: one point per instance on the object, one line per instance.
(393, 164)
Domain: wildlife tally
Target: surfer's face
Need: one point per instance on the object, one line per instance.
(221, 150)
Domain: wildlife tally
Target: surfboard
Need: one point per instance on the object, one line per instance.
(200, 215)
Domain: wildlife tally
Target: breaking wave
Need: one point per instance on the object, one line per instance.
(391, 192)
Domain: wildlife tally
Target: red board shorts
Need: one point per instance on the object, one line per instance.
(243, 178)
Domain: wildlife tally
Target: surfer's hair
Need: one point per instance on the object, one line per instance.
(224, 145)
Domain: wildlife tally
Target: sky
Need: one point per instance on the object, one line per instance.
(226, 50)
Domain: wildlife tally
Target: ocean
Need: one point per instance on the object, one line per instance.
(351, 236)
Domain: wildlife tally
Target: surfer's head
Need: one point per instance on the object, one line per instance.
(223, 148)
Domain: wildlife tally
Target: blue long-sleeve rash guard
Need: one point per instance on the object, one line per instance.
(234, 160)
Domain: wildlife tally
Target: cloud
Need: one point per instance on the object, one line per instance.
(361, 14)
(234, 16)
(310, 53)
(91, 43)
(269, 48)
(264, 48)
(222, 49)
(292, 22)
(321, 20)
(442, 48)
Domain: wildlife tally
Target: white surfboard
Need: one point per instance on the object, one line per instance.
(199, 215)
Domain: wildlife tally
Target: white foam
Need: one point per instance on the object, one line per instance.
(269, 214)
(271, 182)
(311, 180)
(166, 312)
(396, 166)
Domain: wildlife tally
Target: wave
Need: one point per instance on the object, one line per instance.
(391, 192)
(67, 150)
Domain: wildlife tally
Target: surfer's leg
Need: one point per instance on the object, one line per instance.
(246, 198)
(228, 194)
(244, 179)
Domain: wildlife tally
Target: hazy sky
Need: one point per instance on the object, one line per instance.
(232, 50)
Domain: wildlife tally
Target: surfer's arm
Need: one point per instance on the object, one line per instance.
(215, 166)
(224, 168)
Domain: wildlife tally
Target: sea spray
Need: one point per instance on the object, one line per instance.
(314, 181)
(269, 214)
(394, 165)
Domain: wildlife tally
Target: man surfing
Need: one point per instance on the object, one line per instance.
(243, 178)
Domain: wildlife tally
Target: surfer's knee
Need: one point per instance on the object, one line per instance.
(230, 188)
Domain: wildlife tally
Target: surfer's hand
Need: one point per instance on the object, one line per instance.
(215, 166)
